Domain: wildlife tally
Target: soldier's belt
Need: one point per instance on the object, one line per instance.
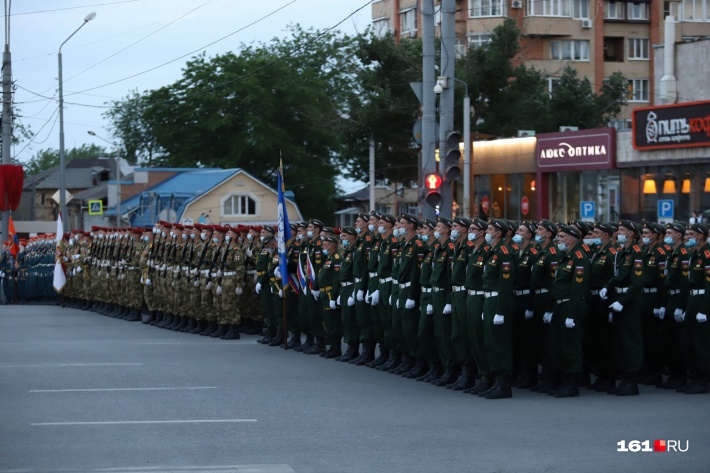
(673, 292)
(260, 273)
(458, 288)
(437, 289)
(251, 271)
(326, 289)
(131, 268)
(426, 289)
(214, 275)
(594, 293)
(697, 292)
(175, 271)
(649, 290)
(373, 275)
(621, 290)
(491, 294)
(473, 292)
(522, 292)
(205, 272)
(384, 280)
(185, 268)
(357, 280)
(541, 291)
(562, 301)
(404, 285)
(229, 273)
(346, 283)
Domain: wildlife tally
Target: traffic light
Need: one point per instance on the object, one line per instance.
(452, 155)
(432, 184)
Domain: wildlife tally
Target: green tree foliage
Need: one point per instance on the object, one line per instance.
(129, 128)
(47, 158)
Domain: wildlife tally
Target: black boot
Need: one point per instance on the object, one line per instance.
(368, 353)
(628, 387)
(191, 325)
(382, 358)
(134, 315)
(317, 348)
(295, 340)
(570, 387)
(211, 327)
(184, 324)
(501, 390)
(405, 366)
(351, 353)
(466, 380)
(435, 372)
(232, 333)
(277, 338)
(483, 384)
(449, 376)
(420, 369)
(699, 385)
(336, 349)
(219, 331)
(267, 336)
(392, 362)
(306, 345)
(146, 317)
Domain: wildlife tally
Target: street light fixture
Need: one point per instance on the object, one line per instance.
(118, 176)
(62, 164)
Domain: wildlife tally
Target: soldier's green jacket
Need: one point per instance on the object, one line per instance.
(329, 278)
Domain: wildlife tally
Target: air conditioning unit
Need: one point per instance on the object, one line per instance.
(516, 4)
(569, 128)
(586, 24)
(525, 133)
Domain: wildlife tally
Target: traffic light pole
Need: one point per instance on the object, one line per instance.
(446, 98)
(428, 161)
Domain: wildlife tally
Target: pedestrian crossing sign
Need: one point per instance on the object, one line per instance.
(96, 207)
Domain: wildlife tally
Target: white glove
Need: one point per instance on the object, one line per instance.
(360, 295)
(389, 301)
(333, 306)
(257, 288)
(142, 280)
(611, 317)
(148, 282)
(338, 301)
(662, 313)
(277, 272)
(547, 317)
(702, 318)
(429, 309)
(209, 285)
(397, 303)
(78, 269)
(498, 319)
(603, 293)
(375, 297)
(656, 312)
(447, 309)
(616, 307)
(219, 273)
(316, 295)
(351, 301)
(219, 290)
(281, 293)
(367, 297)
(250, 253)
(196, 283)
(569, 323)
(679, 315)
(409, 304)
(528, 314)
(238, 291)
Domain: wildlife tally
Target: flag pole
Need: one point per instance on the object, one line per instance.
(284, 277)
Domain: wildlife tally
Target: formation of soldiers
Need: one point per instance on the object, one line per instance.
(27, 277)
(474, 306)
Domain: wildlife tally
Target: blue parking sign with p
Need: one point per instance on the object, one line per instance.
(587, 209)
(665, 208)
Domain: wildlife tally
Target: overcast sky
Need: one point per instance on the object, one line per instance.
(129, 43)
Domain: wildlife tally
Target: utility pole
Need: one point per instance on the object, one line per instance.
(428, 161)
(446, 98)
(6, 116)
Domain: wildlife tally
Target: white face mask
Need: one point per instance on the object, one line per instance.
(309, 233)
(381, 229)
(162, 233)
(646, 240)
(203, 236)
(489, 238)
(192, 236)
(261, 239)
(562, 246)
(371, 227)
(250, 237)
(215, 240)
(437, 235)
(184, 236)
(454, 234)
(155, 230)
(358, 230)
(472, 236)
(621, 238)
(71, 242)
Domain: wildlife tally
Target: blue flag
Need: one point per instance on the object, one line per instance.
(284, 231)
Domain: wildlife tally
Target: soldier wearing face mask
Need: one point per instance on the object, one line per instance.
(425, 342)
(263, 288)
(523, 323)
(381, 294)
(364, 264)
(347, 298)
(315, 259)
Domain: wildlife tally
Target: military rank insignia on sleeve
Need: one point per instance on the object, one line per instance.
(579, 274)
(638, 267)
(505, 268)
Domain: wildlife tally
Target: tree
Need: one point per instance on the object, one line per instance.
(47, 158)
(129, 127)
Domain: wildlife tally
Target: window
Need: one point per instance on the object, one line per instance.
(408, 21)
(238, 205)
(382, 208)
(381, 27)
(637, 11)
(637, 90)
(614, 10)
(549, 8)
(476, 40)
(696, 10)
(479, 8)
(613, 49)
(580, 9)
(620, 124)
(408, 208)
(552, 84)
(570, 50)
(638, 48)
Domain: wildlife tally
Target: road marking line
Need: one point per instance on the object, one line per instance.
(64, 365)
(129, 422)
(116, 389)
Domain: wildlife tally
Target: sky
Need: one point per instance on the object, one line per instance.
(136, 45)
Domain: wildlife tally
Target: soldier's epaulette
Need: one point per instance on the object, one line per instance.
(683, 251)
(660, 250)
(368, 238)
(393, 239)
(553, 250)
(469, 243)
(707, 253)
(586, 247)
(504, 249)
(578, 254)
(533, 251)
(637, 249)
(612, 250)
(515, 246)
(418, 243)
(487, 247)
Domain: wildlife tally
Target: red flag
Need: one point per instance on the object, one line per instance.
(12, 237)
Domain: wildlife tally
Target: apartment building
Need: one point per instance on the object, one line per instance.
(597, 38)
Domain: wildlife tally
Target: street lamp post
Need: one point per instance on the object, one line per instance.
(466, 151)
(62, 164)
(118, 177)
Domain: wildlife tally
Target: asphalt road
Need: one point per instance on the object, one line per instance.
(84, 392)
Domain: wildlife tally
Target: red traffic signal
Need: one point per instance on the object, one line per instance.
(432, 181)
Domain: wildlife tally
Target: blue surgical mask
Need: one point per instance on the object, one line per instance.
(345, 243)
(539, 239)
(517, 238)
(646, 240)
(215, 240)
(621, 238)
(309, 233)
(691, 242)
(562, 246)
(381, 229)
(325, 252)
(437, 235)
(358, 230)
(250, 237)
(596, 241)
(454, 234)
(588, 241)
(371, 227)
(472, 236)
(489, 238)
(425, 237)
(668, 240)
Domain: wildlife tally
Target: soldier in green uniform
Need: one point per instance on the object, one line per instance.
(627, 286)
(570, 290)
(263, 286)
(348, 237)
(677, 291)
(459, 296)
(316, 259)
(361, 272)
(597, 341)
(329, 285)
(440, 281)
(425, 341)
(380, 288)
(697, 310)
(498, 308)
(292, 290)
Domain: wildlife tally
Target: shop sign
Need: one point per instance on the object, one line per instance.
(575, 151)
(672, 126)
